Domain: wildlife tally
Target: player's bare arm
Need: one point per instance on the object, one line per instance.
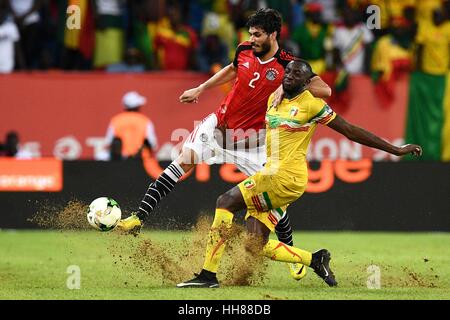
(225, 75)
(367, 138)
(319, 88)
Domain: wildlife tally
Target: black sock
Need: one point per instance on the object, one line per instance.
(284, 231)
(159, 189)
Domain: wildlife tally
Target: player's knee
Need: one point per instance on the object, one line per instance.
(254, 243)
(231, 200)
(224, 202)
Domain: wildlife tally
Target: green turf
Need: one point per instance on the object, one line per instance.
(33, 265)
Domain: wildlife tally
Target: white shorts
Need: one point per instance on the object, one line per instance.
(203, 142)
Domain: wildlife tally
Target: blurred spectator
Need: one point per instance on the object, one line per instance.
(133, 62)
(175, 43)
(50, 46)
(212, 54)
(134, 129)
(329, 14)
(433, 40)
(78, 43)
(115, 150)
(283, 7)
(389, 10)
(109, 34)
(311, 37)
(196, 13)
(298, 16)
(391, 58)
(409, 14)
(350, 40)
(11, 146)
(144, 20)
(9, 37)
(428, 87)
(425, 10)
(220, 25)
(27, 17)
(240, 29)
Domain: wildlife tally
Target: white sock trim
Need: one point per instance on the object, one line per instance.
(171, 174)
(177, 165)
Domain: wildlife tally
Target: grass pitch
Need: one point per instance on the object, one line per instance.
(38, 265)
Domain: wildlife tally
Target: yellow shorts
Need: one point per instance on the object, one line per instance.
(268, 196)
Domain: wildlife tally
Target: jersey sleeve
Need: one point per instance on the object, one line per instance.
(243, 46)
(321, 112)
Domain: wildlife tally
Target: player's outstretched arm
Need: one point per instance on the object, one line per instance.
(367, 138)
(226, 74)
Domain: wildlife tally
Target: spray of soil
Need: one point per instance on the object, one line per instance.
(72, 216)
(242, 263)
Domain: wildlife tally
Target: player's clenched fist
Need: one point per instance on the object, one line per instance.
(191, 96)
(413, 149)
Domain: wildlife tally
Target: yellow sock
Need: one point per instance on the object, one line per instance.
(279, 251)
(216, 239)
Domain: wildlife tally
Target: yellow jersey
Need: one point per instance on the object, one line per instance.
(289, 128)
(435, 41)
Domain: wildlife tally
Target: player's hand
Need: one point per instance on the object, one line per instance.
(277, 97)
(413, 149)
(191, 96)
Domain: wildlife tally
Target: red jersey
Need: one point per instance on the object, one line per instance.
(246, 105)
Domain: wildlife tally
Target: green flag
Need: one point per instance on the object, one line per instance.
(426, 114)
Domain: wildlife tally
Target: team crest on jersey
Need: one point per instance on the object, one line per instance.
(271, 74)
(249, 184)
(293, 111)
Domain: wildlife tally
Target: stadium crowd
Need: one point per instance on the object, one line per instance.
(140, 35)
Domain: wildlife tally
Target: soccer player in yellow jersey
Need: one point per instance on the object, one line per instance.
(289, 128)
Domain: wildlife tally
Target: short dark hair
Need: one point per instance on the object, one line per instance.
(304, 67)
(267, 19)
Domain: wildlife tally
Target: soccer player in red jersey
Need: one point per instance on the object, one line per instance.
(235, 132)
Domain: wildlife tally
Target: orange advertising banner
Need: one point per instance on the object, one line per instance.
(44, 174)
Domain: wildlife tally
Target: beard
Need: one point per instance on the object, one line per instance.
(265, 48)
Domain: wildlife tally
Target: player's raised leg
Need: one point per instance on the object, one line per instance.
(319, 261)
(158, 189)
(195, 150)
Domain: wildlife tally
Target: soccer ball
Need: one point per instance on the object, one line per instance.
(104, 214)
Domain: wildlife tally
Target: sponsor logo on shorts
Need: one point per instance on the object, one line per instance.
(204, 137)
(249, 184)
(271, 74)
